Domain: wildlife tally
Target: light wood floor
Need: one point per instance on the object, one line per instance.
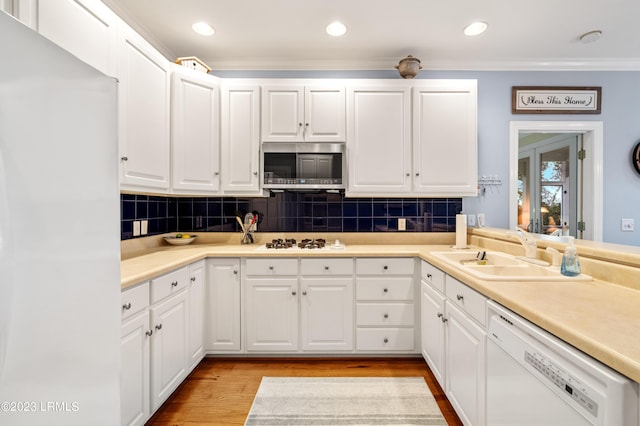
(220, 391)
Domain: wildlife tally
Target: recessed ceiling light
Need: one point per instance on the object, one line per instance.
(475, 28)
(591, 36)
(336, 29)
(203, 28)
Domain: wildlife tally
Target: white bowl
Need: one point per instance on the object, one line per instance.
(174, 241)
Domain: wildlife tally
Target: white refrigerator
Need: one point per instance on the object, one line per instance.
(59, 236)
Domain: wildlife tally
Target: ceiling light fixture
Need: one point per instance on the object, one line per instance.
(591, 36)
(203, 28)
(475, 28)
(336, 29)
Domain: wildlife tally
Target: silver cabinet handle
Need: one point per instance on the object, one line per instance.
(174, 284)
(459, 297)
(159, 327)
(148, 332)
(385, 340)
(126, 306)
(193, 278)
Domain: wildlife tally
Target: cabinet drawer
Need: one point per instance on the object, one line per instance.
(385, 339)
(469, 300)
(168, 284)
(326, 266)
(385, 266)
(382, 288)
(433, 276)
(271, 267)
(385, 314)
(134, 300)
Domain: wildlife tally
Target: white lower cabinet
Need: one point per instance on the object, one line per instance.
(197, 288)
(385, 306)
(454, 341)
(134, 350)
(222, 316)
(326, 304)
(161, 340)
(292, 307)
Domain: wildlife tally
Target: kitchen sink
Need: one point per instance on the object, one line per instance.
(498, 266)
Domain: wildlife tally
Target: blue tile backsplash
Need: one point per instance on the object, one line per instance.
(289, 212)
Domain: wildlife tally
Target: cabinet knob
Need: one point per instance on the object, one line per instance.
(159, 327)
(386, 340)
(193, 278)
(235, 272)
(126, 306)
(459, 297)
(385, 316)
(216, 173)
(385, 290)
(417, 174)
(174, 284)
(429, 276)
(148, 332)
(326, 268)
(271, 267)
(306, 124)
(439, 314)
(294, 293)
(124, 158)
(408, 174)
(299, 124)
(304, 293)
(255, 173)
(385, 267)
(444, 319)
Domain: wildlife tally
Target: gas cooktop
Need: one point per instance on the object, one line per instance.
(304, 244)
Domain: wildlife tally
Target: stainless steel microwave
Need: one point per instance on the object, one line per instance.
(303, 165)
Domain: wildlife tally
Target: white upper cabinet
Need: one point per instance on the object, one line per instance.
(86, 28)
(303, 113)
(143, 114)
(240, 126)
(195, 130)
(445, 152)
(379, 140)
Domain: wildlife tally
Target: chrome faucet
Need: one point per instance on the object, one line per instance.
(528, 242)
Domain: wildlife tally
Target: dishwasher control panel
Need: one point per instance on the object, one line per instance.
(563, 380)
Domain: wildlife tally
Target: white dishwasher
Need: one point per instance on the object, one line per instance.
(534, 378)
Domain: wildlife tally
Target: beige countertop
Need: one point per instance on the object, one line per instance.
(600, 318)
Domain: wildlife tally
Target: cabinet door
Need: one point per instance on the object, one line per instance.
(327, 314)
(282, 114)
(195, 127)
(143, 114)
(223, 305)
(466, 370)
(168, 347)
(445, 138)
(240, 144)
(325, 114)
(272, 314)
(379, 140)
(433, 331)
(134, 371)
(196, 313)
(86, 28)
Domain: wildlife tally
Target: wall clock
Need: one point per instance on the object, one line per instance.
(635, 157)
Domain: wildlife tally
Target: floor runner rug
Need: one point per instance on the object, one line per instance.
(344, 401)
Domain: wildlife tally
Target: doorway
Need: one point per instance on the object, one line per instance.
(550, 183)
(590, 199)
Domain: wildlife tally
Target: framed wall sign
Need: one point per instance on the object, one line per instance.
(555, 100)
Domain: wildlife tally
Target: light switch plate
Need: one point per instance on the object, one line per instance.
(402, 224)
(136, 228)
(471, 220)
(627, 225)
(144, 227)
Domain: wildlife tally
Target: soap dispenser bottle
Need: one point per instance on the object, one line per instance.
(570, 263)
